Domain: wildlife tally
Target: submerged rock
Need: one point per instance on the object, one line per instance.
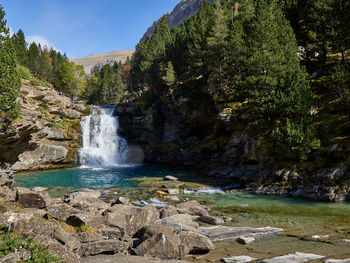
(170, 178)
(245, 240)
(212, 220)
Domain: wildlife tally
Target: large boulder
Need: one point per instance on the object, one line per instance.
(61, 211)
(103, 247)
(186, 220)
(148, 215)
(153, 230)
(116, 220)
(63, 252)
(25, 224)
(161, 245)
(65, 238)
(81, 195)
(32, 199)
(87, 237)
(196, 243)
(83, 218)
(21, 255)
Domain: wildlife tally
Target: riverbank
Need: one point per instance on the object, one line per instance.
(297, 218)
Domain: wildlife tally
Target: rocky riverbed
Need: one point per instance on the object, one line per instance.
(84, 227)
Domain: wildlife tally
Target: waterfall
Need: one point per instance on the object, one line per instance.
(102, 147)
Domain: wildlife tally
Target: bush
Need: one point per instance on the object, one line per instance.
(23, 72)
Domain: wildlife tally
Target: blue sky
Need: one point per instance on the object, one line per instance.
(83, 27)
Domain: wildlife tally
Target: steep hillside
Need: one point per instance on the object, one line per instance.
(182, 10)
(46, 135)
(101, 59)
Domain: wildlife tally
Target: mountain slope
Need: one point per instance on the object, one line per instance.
(182, 11)
(95, 59)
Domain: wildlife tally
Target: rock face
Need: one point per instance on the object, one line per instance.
(183, 10)
(47, 135)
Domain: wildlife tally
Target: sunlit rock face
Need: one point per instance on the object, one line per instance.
(183, 10)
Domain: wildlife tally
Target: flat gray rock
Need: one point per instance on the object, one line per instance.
(238, 259)
(125, 259)
(297, 257)
(219, 233)
(347, 260)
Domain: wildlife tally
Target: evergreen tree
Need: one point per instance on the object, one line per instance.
(169, 75)
(9, 79)
(33, 59)
(20, 46)
(278, 89)
(217, 46)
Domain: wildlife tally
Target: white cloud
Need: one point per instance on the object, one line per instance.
(11, 31)
(41, 40)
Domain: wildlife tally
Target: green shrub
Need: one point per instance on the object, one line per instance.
(23, 72)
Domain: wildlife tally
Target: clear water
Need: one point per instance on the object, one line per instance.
(299, 217)
(95, 178)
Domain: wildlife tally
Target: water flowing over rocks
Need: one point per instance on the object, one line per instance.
(47, 135)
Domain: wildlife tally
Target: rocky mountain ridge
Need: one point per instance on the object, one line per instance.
(98, 60)
(182, 11)
(47, 135)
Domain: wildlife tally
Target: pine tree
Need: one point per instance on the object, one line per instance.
(217, 46)
(169, 74)
(33, 59)
(20, 46)
(277, 85)
(9, 79)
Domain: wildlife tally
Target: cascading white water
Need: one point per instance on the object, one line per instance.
(102, 147)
